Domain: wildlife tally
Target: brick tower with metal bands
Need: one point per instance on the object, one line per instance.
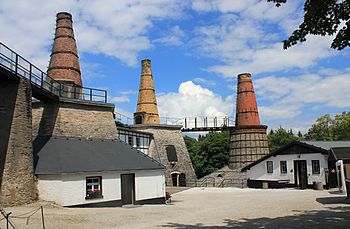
(147, 110)
(248, 141)
(64, 63)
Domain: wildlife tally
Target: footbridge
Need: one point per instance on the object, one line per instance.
(189, 124)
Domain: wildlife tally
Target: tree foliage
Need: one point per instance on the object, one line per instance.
(209, 153)
(281, 137)
(322, 17)
(328, 128)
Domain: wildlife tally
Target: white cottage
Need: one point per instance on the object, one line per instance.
(296, 164)
(95, 172)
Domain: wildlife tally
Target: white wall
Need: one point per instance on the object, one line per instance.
(70, 189)
(259, 171)
(149, 184)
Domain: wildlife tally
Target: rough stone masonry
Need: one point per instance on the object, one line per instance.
(17, 184)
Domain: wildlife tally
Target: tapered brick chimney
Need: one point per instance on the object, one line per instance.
(248, 140)
(64, 63)
(147, 110)
(246, 108)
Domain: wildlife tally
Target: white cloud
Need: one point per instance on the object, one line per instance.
(119, 99)
(193, 100)
(174, 37)
(107, 27)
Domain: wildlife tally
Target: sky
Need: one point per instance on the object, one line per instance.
(197, 48)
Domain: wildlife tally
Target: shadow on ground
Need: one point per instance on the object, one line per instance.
(336, 217)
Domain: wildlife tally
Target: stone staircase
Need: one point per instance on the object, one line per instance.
(224, 177)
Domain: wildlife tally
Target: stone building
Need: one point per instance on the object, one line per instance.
(166, 143)
(65, 147)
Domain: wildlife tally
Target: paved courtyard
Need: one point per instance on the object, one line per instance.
(206, 208)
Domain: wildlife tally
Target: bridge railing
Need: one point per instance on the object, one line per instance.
(21, 67)
(186, 122)
(207, 122)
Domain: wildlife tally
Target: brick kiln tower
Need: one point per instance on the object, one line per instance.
(64, 63)
(147, 110)
(248, 138)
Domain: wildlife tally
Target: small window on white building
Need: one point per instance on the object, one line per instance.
(315, 167)
(269, 166)
(130, 140)
(283, 165)
(93, 187)
(138, 142)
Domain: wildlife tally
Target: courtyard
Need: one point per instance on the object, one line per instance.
(204, 208)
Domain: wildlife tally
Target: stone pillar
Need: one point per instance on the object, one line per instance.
(147, 110)
(248, 140)
(17, 184)
(64, 63)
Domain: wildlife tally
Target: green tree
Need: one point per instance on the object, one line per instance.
(209, 153)
(328, 128)
(279, 138)
(322, 17)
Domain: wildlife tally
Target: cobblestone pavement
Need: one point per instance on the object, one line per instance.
(205, 208)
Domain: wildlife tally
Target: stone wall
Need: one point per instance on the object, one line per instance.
(74, 119)
(164, 135)
(17, 184)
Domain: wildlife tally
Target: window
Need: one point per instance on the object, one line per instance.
(283, 165)
(130, 140)
(137, 141)
(315, 167)
(171, 153)
(269, 166)
(93, 187)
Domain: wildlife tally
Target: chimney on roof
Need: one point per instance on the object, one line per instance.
(246, 108)
(64, 63)
(147, 110)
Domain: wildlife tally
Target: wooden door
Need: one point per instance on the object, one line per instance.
(128, 188)
(300, 174)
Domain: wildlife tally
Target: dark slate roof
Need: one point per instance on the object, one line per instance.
(54, 155)
(341, 153)
(328, 144)
(307, 148)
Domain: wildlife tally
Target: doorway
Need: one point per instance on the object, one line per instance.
(300, 174)
(128, 188)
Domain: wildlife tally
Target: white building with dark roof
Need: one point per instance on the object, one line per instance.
(95, 172)
(298, 164)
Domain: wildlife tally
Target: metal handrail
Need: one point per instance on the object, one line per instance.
(21, 67)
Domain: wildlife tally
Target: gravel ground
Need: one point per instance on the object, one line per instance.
(205, 208)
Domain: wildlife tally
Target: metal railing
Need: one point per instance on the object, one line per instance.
(185, 122)
(19, 66)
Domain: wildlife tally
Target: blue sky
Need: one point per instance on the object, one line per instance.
(197, 50)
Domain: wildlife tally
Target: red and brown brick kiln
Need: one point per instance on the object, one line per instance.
(248, 141)
(64, 63)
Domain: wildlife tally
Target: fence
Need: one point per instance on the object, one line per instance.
(8, 217)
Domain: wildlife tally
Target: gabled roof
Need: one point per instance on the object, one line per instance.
(281, 151)
(53, 155)
(328, 144)
(341, 153)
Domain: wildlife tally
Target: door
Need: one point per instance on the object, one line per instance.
(300, 174)
(128, 188)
